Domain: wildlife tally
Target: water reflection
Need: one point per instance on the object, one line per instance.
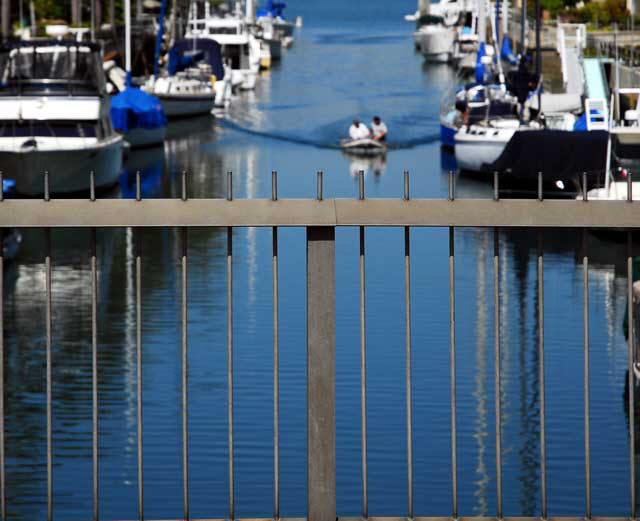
(371, 166)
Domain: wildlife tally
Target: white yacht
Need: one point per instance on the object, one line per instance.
(54, 116)
(240, 48)
(436, 42)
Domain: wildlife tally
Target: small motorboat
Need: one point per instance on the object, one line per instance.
(363, 147)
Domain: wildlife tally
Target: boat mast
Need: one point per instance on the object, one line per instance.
(250, 11)
(127, 41)
(538, 55)
(523, 27)
(423, 7)
(159, 36)
(482, 21)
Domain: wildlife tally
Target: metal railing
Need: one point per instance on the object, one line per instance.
(320, 217)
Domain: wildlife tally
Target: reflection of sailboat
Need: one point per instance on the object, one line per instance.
(480, 391)
(369, 165)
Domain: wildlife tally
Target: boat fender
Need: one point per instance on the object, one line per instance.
(213, 79)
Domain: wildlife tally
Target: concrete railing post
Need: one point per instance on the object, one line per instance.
(321, 374)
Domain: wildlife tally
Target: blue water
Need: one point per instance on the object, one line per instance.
(350, 58)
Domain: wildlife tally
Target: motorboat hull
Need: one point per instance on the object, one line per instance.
(363, 147)
(448, 131)
(146, 137)
(181, 106)
(69, 169)
(436, 43)
(474, 150)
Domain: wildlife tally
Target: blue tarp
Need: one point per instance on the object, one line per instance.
(480, 69)
(134, 108)
(275, 9)
(506, 52)
(581, 122)
(186, 53)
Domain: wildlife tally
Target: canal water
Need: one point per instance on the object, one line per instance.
(350, 58)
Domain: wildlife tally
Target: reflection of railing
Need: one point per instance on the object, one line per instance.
(320, 217)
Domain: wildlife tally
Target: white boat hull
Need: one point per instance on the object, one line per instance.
(69, 169)
(474, 150)
(180, 106)
(146, 137)
(436, 43)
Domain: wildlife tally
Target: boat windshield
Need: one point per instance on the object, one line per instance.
(51, 69)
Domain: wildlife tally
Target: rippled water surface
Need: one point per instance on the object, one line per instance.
(349, 58)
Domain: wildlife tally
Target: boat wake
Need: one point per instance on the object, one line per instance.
(335, 145)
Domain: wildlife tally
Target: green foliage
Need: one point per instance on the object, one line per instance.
(52, 9)
(553, 6)
(601, 14)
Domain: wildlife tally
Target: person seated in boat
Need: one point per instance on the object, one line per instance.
(379, 129)
(358, 130)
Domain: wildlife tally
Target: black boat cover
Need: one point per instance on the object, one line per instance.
(558, 154)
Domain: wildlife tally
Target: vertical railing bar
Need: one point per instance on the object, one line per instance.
(452, 366)
(230, 368)
(47, 194)
(452, 194)
(183, 178)
(48, 377)
(185, 368)
(407, 303)
(631, 340)
(319, 176)
(3, 503)
(92, 185)
(138, 186)
(585, 195)
(274, 185)
(405, 175)
(138, 239)
(1, 185)
(363, 377)
(361, 185)
(94, 370)
(587, 399)
(541, 377)
(276, 374)
(229, 186)
(629, 187)
(540, 189)
(496, 186)
(496, 362)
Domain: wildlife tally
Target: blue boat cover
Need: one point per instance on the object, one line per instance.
(480, 69)
(275, 9)
(186, 53)
(134, 108)
(506, 52)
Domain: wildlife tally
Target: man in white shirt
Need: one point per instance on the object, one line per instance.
(379, 129)
(358, 130)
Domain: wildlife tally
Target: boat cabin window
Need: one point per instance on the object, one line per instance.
(223, 30)
(58, 129)
(237, 56)
(51, 70)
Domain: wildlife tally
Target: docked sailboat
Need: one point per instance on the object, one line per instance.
(136, 114)
(195, 79)
(240, 48)
(54, 116)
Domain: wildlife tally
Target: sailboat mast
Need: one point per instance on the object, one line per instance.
(159, 37)
(250, 11)
(423, 7)
(127, 39)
